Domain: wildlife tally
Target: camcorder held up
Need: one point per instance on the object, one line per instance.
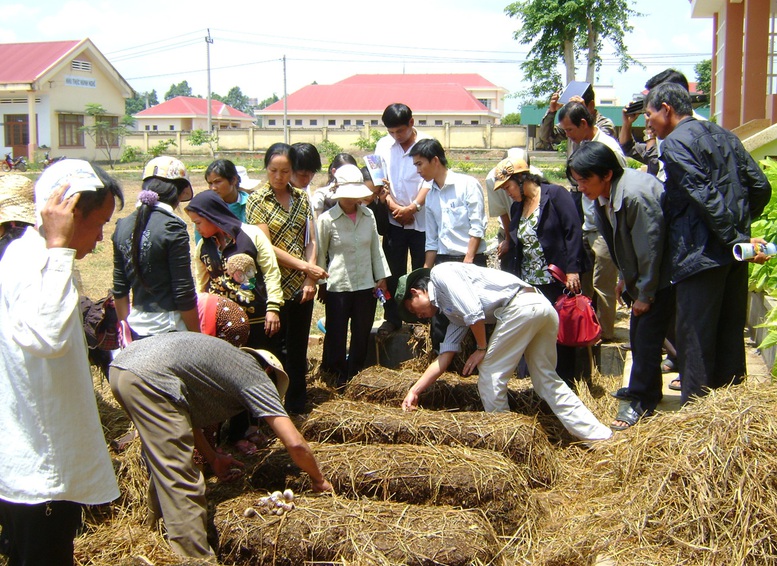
(637, 106)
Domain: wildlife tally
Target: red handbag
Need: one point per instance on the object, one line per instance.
(577, 322)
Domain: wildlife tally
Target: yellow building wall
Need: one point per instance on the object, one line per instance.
(257, 139)
(73, 100)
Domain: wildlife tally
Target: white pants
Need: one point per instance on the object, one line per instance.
(528, 325)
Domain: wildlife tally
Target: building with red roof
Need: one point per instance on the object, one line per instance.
(186, 113)
(458, 99)
(44, 90)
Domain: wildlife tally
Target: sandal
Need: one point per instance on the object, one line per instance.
(623, 394)
(668, 366)
(628, 415)
(676, 384)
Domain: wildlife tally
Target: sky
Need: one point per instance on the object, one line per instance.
(154, 44)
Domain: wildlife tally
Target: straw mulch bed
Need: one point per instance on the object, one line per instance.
(335, 530)
(388, 387)
(518, 437)
(694, 487)
(427, 475)
(452, 392)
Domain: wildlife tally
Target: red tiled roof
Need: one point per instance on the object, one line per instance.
(190, 106)
(469, 80)
(25, 62)
(344, 97)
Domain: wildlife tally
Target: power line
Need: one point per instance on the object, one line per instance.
(191, 71)
(156, 51)
(165, 40)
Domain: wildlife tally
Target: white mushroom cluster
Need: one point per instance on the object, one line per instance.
(276, 503)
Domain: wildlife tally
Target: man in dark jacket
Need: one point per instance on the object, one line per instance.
(714, 189)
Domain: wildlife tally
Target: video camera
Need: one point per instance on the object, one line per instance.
(637, 106)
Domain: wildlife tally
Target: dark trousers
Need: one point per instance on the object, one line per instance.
(257, 339)
(290, 344)
(397, 243)
(565, 355)
(440, 322)
(711, 318)
(646, 333)
(358, 308)
(39, 534)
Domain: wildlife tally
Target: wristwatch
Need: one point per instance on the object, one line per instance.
(417, 206)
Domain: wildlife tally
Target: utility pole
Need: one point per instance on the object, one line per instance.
(285, 106)
(208, 41)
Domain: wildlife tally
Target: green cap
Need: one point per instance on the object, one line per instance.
(404, 285)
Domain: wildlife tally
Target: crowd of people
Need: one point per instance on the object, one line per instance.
(223, 336)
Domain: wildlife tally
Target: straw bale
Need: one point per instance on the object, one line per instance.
(518, 437)
(450, 392)
(332, 529)
(123, 542)
(377, 384)
(698, 486)
(436, 475)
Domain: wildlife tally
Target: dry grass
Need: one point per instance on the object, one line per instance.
(332, 530)
(698, 486)
(422, 475)
(518, 437)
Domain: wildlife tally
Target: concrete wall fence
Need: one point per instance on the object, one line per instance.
(484, 136)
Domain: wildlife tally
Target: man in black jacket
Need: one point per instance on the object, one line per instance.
(714, 189)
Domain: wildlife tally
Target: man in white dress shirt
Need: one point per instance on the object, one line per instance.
(53, 458)
(407, 195)
(525, 324)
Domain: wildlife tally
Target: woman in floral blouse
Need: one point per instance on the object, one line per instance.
(546, 228)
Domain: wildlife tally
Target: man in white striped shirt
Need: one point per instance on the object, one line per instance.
(526, 324)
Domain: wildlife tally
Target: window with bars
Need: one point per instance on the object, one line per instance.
(70, 134)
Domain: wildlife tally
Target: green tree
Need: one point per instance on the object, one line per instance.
(512, 119)
(267, 101)
(328, 149)
(237, 100)
(160, 148)
(180, 89)
(703, 71)
(568, 30)
(201, 137)
(368, 144)
(140, 101)
(106, 131)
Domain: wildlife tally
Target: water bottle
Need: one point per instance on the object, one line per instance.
(744, 252)
(382, 297)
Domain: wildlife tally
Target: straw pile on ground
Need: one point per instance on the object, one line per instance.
(332, 529)
(453, 392)
(389, 387)
(518, 437)
(422, 475)
(694, 487)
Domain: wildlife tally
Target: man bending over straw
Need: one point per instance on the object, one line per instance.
(526, 324)
(172, 385)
